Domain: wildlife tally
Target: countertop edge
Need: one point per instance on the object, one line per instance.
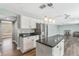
(48, 44)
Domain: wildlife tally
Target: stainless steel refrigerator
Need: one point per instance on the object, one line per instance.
(42, 29)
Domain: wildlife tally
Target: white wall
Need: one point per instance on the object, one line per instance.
(52, 30)
(72, 27)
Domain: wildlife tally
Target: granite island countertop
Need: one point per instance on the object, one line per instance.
(52, 41)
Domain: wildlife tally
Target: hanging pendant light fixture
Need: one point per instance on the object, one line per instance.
(48, 20)
(53, 21)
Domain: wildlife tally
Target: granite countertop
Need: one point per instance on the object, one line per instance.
(27, 34)
(52, 41)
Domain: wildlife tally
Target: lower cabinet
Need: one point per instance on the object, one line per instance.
(58, 50)
(62, 48)
(43, 50)
(28, 43)
(35, 38)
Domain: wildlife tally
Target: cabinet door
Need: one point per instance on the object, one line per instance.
(59, 49)
(32, 23)
(56, 51)
(62, 48)
(27, 44)
(37, 20)
(35, 38)
(25, 22)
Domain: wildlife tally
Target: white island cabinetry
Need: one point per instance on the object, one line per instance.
(58, 50)
(44, 50)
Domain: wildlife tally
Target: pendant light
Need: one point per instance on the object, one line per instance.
(46, 18)
(53, 21)
(50, 19)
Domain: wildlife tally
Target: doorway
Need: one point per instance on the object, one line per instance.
(7, 36)
(6, 27)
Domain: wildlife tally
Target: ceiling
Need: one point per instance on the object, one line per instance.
(33, 10)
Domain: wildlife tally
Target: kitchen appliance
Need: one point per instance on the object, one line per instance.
(42, 30)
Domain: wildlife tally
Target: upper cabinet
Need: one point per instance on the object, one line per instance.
(24, 22)
(28, 22)
(32, 23)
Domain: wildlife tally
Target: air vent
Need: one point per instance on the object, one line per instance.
(42, 6)
(50, 4)
(46, 5)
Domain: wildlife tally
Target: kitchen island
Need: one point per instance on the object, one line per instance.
(53, 47)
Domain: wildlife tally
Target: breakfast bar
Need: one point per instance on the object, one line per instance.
(53, 47)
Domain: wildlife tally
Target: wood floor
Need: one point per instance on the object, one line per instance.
(71, 46)
(9, 49)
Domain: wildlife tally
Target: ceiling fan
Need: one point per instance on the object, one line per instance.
(66, 16)
(46, 5)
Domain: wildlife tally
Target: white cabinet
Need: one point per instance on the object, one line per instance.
(28, 43)
(32, 23)
(44, 50)
(62, 48)
(24, 22)
(58, 50)
(34, 38)
(28, 22)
